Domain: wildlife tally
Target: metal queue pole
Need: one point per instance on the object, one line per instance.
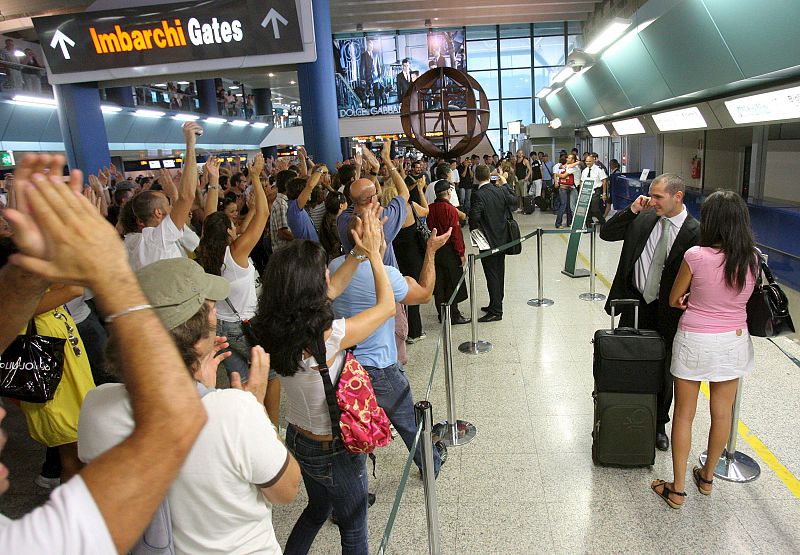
(592, 295)
(733, 465)
(476, 346)
(540, 301)
(451, 432)
(424, 414)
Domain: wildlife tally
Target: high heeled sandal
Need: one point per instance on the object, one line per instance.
(666, 492)
(699, 480)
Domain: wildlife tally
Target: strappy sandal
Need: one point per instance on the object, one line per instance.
(666, 492)
(699, 480)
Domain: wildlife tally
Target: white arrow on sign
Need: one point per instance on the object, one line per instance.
(61, 39)
(274, 17)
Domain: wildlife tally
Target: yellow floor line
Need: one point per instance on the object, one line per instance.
(603, 279)
(756, 444)
(764, 453)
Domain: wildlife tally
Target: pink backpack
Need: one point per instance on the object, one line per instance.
(355, 414)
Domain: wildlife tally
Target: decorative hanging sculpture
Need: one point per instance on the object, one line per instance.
(445, 113)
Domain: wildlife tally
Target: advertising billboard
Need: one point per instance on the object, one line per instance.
(375, 71)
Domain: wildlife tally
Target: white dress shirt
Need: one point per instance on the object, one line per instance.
(642, 267)
(596, 173)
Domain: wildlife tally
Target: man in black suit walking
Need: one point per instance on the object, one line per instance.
(491, 206)
(657, 231)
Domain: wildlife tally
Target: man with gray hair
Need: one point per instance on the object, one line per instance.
(657, 230)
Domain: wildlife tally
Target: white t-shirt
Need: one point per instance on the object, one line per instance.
(306, 406)
(243, 294)
(215, 503)
(154, 244)
(69, 523)
(78, 308)
(189, 240)
(596, 173)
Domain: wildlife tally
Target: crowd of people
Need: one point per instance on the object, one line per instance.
(238, 273)
(22, 69)
(262, 269)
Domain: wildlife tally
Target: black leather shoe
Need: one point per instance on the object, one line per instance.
(662, 441)
(490, 318)
(485, 308)
(461, 320)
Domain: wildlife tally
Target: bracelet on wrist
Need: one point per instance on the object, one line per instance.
(359, 257)
(130, 310)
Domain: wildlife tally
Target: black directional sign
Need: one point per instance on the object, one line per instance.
(140, 37)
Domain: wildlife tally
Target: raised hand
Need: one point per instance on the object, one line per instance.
(212, 169)
(386, 151)
(370, 158)
(207, 373)
(191, 131)
(62, 235)
(257, 165)
(437, 241)
(368, 230)
(259, 370)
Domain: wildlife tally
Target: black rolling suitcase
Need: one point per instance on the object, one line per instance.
(528, 204)
(628, 372)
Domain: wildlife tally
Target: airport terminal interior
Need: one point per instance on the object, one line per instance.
(706, 92)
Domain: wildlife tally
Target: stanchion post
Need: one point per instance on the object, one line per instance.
(451, 432)
(476, 346)
(592, 295)
(424, 414)
(540, 301)
(733, 465)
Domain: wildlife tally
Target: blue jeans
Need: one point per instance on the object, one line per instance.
(394, 396)
(465, 196)
(568, 200)
(336, 480)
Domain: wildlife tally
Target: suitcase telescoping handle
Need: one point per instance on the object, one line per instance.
(624, 302)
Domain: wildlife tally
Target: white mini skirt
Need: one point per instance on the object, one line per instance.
(713, 357)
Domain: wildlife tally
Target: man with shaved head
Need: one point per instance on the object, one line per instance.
(363, 193)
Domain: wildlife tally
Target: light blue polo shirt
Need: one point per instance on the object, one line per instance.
(379, 349)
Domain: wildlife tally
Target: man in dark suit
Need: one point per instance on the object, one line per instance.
(371, 72)
(403, 79)
(491, 205)
(657, 231)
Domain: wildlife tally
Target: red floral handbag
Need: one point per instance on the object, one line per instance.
(355, 414)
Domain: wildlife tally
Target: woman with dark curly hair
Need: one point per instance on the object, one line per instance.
(224, 253)
(293, 313)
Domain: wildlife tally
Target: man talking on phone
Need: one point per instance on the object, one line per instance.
(657, 231)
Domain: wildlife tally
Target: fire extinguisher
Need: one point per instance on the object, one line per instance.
(697, 166)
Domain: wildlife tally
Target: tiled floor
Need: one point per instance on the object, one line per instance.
(526, 483)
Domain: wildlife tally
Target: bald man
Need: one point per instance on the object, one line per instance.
(363, 192)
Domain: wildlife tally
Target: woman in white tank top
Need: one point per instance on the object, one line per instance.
(224, 253)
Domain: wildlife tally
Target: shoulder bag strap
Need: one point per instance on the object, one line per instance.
(31, 327)
(414, 210)
(330, 392)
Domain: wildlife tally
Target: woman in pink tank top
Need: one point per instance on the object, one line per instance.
(712, 344)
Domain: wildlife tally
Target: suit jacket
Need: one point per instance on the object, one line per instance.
(368, 62)
(634, 230)
(490, 209)
(403, 85)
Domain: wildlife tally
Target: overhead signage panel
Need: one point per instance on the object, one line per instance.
(190, 36)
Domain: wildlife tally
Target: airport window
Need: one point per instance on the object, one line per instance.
(538, 114)
(574, 41)
(494, 137)
(516, 83)
(488, 80)
(513, 31)
(542, 76)
(482, 32)
(549, 51)
(515, 53)
(547, 29)
(517, 109)
(494, 114)
(481, 55)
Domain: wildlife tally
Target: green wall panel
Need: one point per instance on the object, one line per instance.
(634, 69)
(581, 91)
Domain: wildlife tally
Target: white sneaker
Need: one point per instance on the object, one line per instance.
(412, 340)
(47, 483)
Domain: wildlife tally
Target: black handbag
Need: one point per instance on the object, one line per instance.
(421, 228)
(512, 228)
(31, 367)
(768, 308)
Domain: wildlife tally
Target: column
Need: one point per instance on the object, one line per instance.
(263, 99)
(758, 162)
(318, 93)
(122, 96)
(207, 95)
(82, 126)
(345, 148)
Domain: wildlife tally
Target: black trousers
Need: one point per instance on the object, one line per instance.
(596, 209)
(648, 320)
(414, 321)
(494, 268)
